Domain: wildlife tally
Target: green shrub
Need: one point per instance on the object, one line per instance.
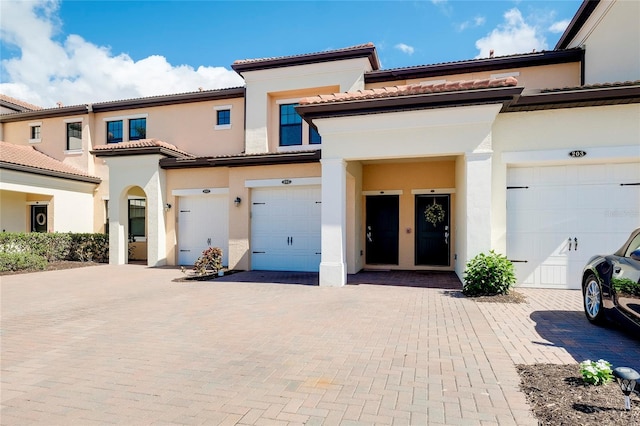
(55, 247)
(21, 261)
(596, 372)
(488, 275)
(209, 261)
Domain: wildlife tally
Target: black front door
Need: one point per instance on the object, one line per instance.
(433, 231)
(382, 229)
(38, 218)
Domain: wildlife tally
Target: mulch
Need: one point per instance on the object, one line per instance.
(558, 396)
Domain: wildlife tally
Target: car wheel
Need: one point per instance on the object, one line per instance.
(593, 300)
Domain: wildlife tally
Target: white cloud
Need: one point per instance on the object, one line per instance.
(404, 48)
(559, 27)
(513, 36)
(75, 71)
(478, 21)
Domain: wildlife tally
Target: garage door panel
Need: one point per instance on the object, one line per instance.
(585, 202)
(285, 232)
(202, 223)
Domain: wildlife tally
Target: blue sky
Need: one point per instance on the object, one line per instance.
(88, 51)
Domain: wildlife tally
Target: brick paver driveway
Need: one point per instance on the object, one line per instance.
(128, 345)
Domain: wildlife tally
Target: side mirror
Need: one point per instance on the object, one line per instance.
(635, 255)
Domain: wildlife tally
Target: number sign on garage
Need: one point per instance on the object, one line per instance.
(285, 228)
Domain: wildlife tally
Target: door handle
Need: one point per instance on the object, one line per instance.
(569, 243)
(369, 236)
(575, 241)
(208, 241)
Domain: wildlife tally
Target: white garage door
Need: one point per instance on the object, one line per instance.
(285, 229)
(203, 222)
(560, 216)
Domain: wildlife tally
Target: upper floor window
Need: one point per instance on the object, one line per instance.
(314, 136)
(137, 129)
(114, 131)
(74, 136)
(290, 125)
(35, 132)
(223, 117)
(126, 128)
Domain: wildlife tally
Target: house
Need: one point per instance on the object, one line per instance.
(326, 162)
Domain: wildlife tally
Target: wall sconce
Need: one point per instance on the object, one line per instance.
(237, 201)
(167, 207)
(627, 378)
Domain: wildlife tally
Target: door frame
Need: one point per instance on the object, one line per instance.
(379, 194)
(33, 217)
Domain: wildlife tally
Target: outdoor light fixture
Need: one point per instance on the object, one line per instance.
(627, 378)
(237, 201)
(167, 207)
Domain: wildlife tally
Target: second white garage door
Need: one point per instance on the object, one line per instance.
(203, 222)
(285, 228)
(560, 216)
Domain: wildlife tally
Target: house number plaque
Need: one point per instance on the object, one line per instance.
(286, 181)
(577, 153)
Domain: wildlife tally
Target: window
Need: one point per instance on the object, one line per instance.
(74, 136)
(223, 117)
(114, 131)
(314, 136)
(35, 133)
(290, 125)
(137, 129)
(136, 218)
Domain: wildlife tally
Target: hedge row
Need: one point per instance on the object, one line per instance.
(25, 250)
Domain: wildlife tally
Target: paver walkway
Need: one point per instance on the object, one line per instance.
(128, 345)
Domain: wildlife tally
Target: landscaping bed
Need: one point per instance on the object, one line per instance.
(558, 395)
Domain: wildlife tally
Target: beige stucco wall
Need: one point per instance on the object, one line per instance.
(13, 212)
(190, 127)
(608, 134)
(408, 176)
(239, 216)
(557, 75)
(611, 37)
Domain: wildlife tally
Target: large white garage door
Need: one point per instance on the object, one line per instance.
(560, 216)
(203, 222)
(285, 229)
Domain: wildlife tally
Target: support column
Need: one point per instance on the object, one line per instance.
(333, 265)
(478, 215)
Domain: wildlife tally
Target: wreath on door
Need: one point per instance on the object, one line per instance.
(434, 214)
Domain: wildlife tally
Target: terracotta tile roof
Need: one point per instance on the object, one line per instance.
(411, 89)
(142, 143)
(29, 159)
(24, 106)
(593, 86)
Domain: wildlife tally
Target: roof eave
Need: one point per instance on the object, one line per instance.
(151, 150)
(312, 58)
(478, 65)
(576, 98)
(44, 113)
(50, 173)
(584, 12)
(412, 102)
(242, 160)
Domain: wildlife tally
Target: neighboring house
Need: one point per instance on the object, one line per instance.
(324, 162)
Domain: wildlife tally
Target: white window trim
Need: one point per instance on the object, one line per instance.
(433, 191)
(305, 145)
(73, 120)
(125, 123)
(35, 124)
(222, 108)
(505, 74)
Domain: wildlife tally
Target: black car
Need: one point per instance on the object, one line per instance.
(611, 285)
